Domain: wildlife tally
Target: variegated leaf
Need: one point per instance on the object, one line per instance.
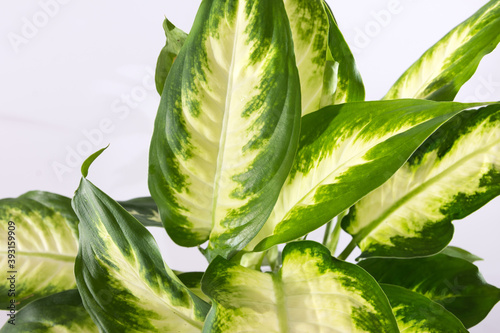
(450, 281)
(175, 39)
(47, 241)
(41, 246)
(454, 173)
(227, 128)
(143, 209)
(342, 81)
(345, 152)
(416, 313)
(309, 25)
(312, 292)
(445, 67)
(121, 277)
(57, 203)
(58, 313)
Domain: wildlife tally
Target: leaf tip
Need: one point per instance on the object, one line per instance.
(167, 25)
(86, 164)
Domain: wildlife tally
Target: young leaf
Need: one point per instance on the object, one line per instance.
(416, 313)
(345, 152)
(454, 173)
(453, 282)
(445, 67)
(226, 131)
(121, 276)
(40, 237)
(88, 162)
(312, 292)
(342, 81)
(309, 25)
(58, 313)
(175, 39)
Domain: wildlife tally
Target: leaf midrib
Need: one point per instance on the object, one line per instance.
(373, 225)
(280, 302)
(342, 166)
(54, 256)
(225, 121)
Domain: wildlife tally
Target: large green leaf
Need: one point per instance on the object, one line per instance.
(455, 172)
(58, 313)
(445, 67)
(309, 25)
(121, 276)
(346, 151)
(175, 39)
(227, 128)
(42, 247)
(416, 313)
(342, 81)
(312, 292)
(453, 282)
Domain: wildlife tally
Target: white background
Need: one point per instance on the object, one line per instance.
(80, 67)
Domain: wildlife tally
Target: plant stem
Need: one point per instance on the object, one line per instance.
(333, 241)
(347, 251)
(331, 237)
(328, 231)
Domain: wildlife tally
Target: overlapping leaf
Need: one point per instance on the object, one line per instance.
(309, 25)
(58, 313)
(46, 238)
(453, 251)
(227, 128)
(192, 280)
(453, 282)
(445, 67)
(312, 292)
(143, 209)
(345, 152)
(120, 274)
(454, 173)
(416, 313)
(42, 248)
(175, 39)
(342, 81)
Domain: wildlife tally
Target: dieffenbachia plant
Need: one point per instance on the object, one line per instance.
(261, 137)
